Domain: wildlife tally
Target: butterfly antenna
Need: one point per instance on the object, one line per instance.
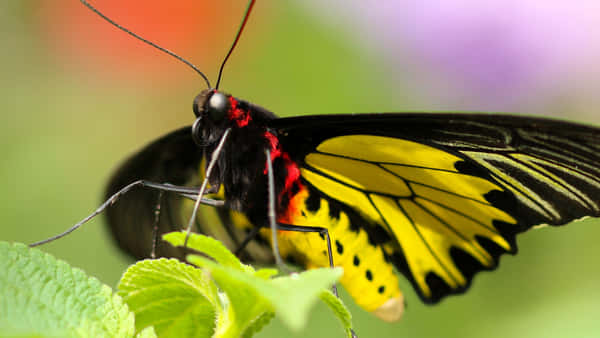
(93, 9)
(235, 41)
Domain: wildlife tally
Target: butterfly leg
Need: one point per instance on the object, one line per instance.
(250, 236)
(271, 215)
(213, 160)
(288, 227)
(321, 231)
(155, 224)
(123, 191)
(192, 194)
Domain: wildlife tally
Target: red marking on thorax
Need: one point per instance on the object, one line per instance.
(292, 178)
(240, 117)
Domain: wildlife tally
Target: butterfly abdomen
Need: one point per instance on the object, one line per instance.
(368, 273)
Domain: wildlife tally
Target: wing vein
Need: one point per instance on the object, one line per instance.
(449, 227)
(580, 198)
(366, 191)
(416, 228)
(379, 163)
(492, 229)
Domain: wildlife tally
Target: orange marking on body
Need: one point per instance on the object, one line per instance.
(294, 207)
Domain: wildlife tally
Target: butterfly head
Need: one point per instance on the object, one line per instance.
(211, 104)
(212, 109)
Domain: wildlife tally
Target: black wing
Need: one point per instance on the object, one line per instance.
(174, 159)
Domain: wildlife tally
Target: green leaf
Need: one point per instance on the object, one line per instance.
(266, 273)
(245, 304)
(290, 296)
(339, 310)
(251, 298)
(258, 324)
(208, 246)
(147, 333)
(295, 294)
(176, 298)
(42, 296)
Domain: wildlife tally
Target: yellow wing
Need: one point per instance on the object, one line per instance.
(446, 194)
(417, 195)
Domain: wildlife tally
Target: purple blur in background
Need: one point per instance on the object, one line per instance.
(481, 55)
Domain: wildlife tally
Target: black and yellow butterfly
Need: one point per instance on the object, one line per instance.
(438, 197)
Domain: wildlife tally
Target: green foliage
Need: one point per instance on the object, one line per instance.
(216, 297)
(209, 246)
(177, 299)
(340, 310)
(42, 296)
(223, 295)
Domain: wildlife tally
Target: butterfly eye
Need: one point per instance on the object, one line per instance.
(197, 132)
(217, 107)
(199, 103)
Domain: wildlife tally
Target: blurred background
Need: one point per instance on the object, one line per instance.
(77, 97)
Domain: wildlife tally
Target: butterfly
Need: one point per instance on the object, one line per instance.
(439, 197)
(435, 197)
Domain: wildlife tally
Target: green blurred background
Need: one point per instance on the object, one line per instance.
(77, 97)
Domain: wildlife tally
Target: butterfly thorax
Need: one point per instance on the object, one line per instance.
(241, 166)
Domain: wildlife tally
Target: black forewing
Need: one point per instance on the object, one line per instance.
(174, 159)
(549, 172)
